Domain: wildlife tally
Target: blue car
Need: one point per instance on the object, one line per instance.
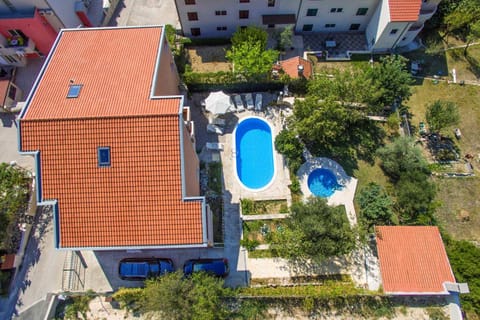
(216, 267)
(142, 268)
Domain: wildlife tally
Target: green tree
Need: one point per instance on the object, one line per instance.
(200, 296)
(251, 61)
(250, 34)
(285, 39)
(463, 19)
(464, 257)
(287, 143)
(376, 206)
(314, 231)
(441, 114)
(330, 129)
(415, 195)
(391, 81)
(400, 157)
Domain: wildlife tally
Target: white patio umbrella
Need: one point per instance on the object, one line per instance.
(218, 102)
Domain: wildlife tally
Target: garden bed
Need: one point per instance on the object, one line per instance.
(252, 207)
(259, 230)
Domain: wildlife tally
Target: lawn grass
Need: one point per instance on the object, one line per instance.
(455, 194)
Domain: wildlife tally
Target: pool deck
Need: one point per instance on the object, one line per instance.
(343, 196)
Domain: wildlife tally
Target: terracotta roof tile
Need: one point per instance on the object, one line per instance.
(4, 83)
(404, 10)
(137, 201)
(290, 67)
(412, 260)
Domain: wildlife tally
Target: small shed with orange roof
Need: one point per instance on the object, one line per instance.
(413, 261)
(297, 67)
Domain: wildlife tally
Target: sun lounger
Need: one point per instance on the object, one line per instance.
(214, 146)
(239, 103)
(249, 101)
(218, 122)
(214, 129)
(258, 102)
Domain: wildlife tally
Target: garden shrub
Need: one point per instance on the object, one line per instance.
(128, 298)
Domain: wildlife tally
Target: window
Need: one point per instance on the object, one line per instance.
(12, 92)
(270, 26)
(192, 16)
(271, 3)
(103, 155)
(362, 11)
(187, 2)
(244, 1)
(195, 32)
(243, 27)
(307, 27)
(336, 10)
(222, 28)
(312, 12)
(330, 25)
(74, 90)
(221, 13)
(243, 14)
(355, 26)
(394, 31)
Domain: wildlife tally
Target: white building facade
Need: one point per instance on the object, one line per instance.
(386, 23)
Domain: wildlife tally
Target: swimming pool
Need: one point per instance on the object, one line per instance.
(322, 182)
(254, 153)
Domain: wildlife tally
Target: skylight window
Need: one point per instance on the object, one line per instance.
(74, 90)
(103, 154)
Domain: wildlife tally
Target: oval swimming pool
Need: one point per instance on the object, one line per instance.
(322, 182)
(254, 153)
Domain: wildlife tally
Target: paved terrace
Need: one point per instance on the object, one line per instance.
(344, 42)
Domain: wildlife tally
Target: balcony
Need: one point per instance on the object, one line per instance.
(426, 14)
(18, 45)
(416, 28)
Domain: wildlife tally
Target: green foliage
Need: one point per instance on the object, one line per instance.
(79, 306)
(252, 309)
(464, 257)
(250, 34)
(376, 206)
(200, 296)
(171, 35)
(249, 244)
(400, 157)
(314, 231)
(393, 124)
(251, 61)
(215, 177)
(390, 80)
(14, 194)
(128, 298)
(248, 206)
(441, 115)
(332, 130)
(288, 145)
(285, 39)
(436, 313)
(415, 194)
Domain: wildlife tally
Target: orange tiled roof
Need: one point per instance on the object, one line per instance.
(404, 10)
(137, 201)
(412, 260)
(116, 68)
(290, 67)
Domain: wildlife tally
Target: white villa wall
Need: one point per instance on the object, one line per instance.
(208, 21)
(342, 20)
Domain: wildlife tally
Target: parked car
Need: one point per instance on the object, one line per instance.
(217, 267)
(143, 268)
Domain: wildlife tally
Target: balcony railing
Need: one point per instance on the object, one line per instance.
(426, 14)
(17, 42)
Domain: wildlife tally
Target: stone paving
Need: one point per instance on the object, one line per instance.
(345, 41)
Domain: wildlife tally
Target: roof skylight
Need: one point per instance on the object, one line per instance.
(74, 90)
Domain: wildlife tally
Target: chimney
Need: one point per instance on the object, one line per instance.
(300, 70)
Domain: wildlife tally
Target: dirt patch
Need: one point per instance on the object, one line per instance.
(209, 59)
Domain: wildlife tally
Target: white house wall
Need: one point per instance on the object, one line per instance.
(208, 21)
(342, 20)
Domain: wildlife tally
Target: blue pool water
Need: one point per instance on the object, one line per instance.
(322, 182)
(254, 153)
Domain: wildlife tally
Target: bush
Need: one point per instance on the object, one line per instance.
(249, 244)
(128, 298)
(248, 206)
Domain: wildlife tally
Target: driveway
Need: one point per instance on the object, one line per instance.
(145, 12)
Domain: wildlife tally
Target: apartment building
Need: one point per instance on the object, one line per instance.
(28, 28)
(387, 24)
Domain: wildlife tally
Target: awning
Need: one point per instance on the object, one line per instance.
(278, 19)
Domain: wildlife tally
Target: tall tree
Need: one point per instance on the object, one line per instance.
(287, 143)
(391, 81)
(400, 157)
(314, 231)
(441, 115)
(200, 296)
(251, 61)
(463, 19)
(376, 206)
(250, 34)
